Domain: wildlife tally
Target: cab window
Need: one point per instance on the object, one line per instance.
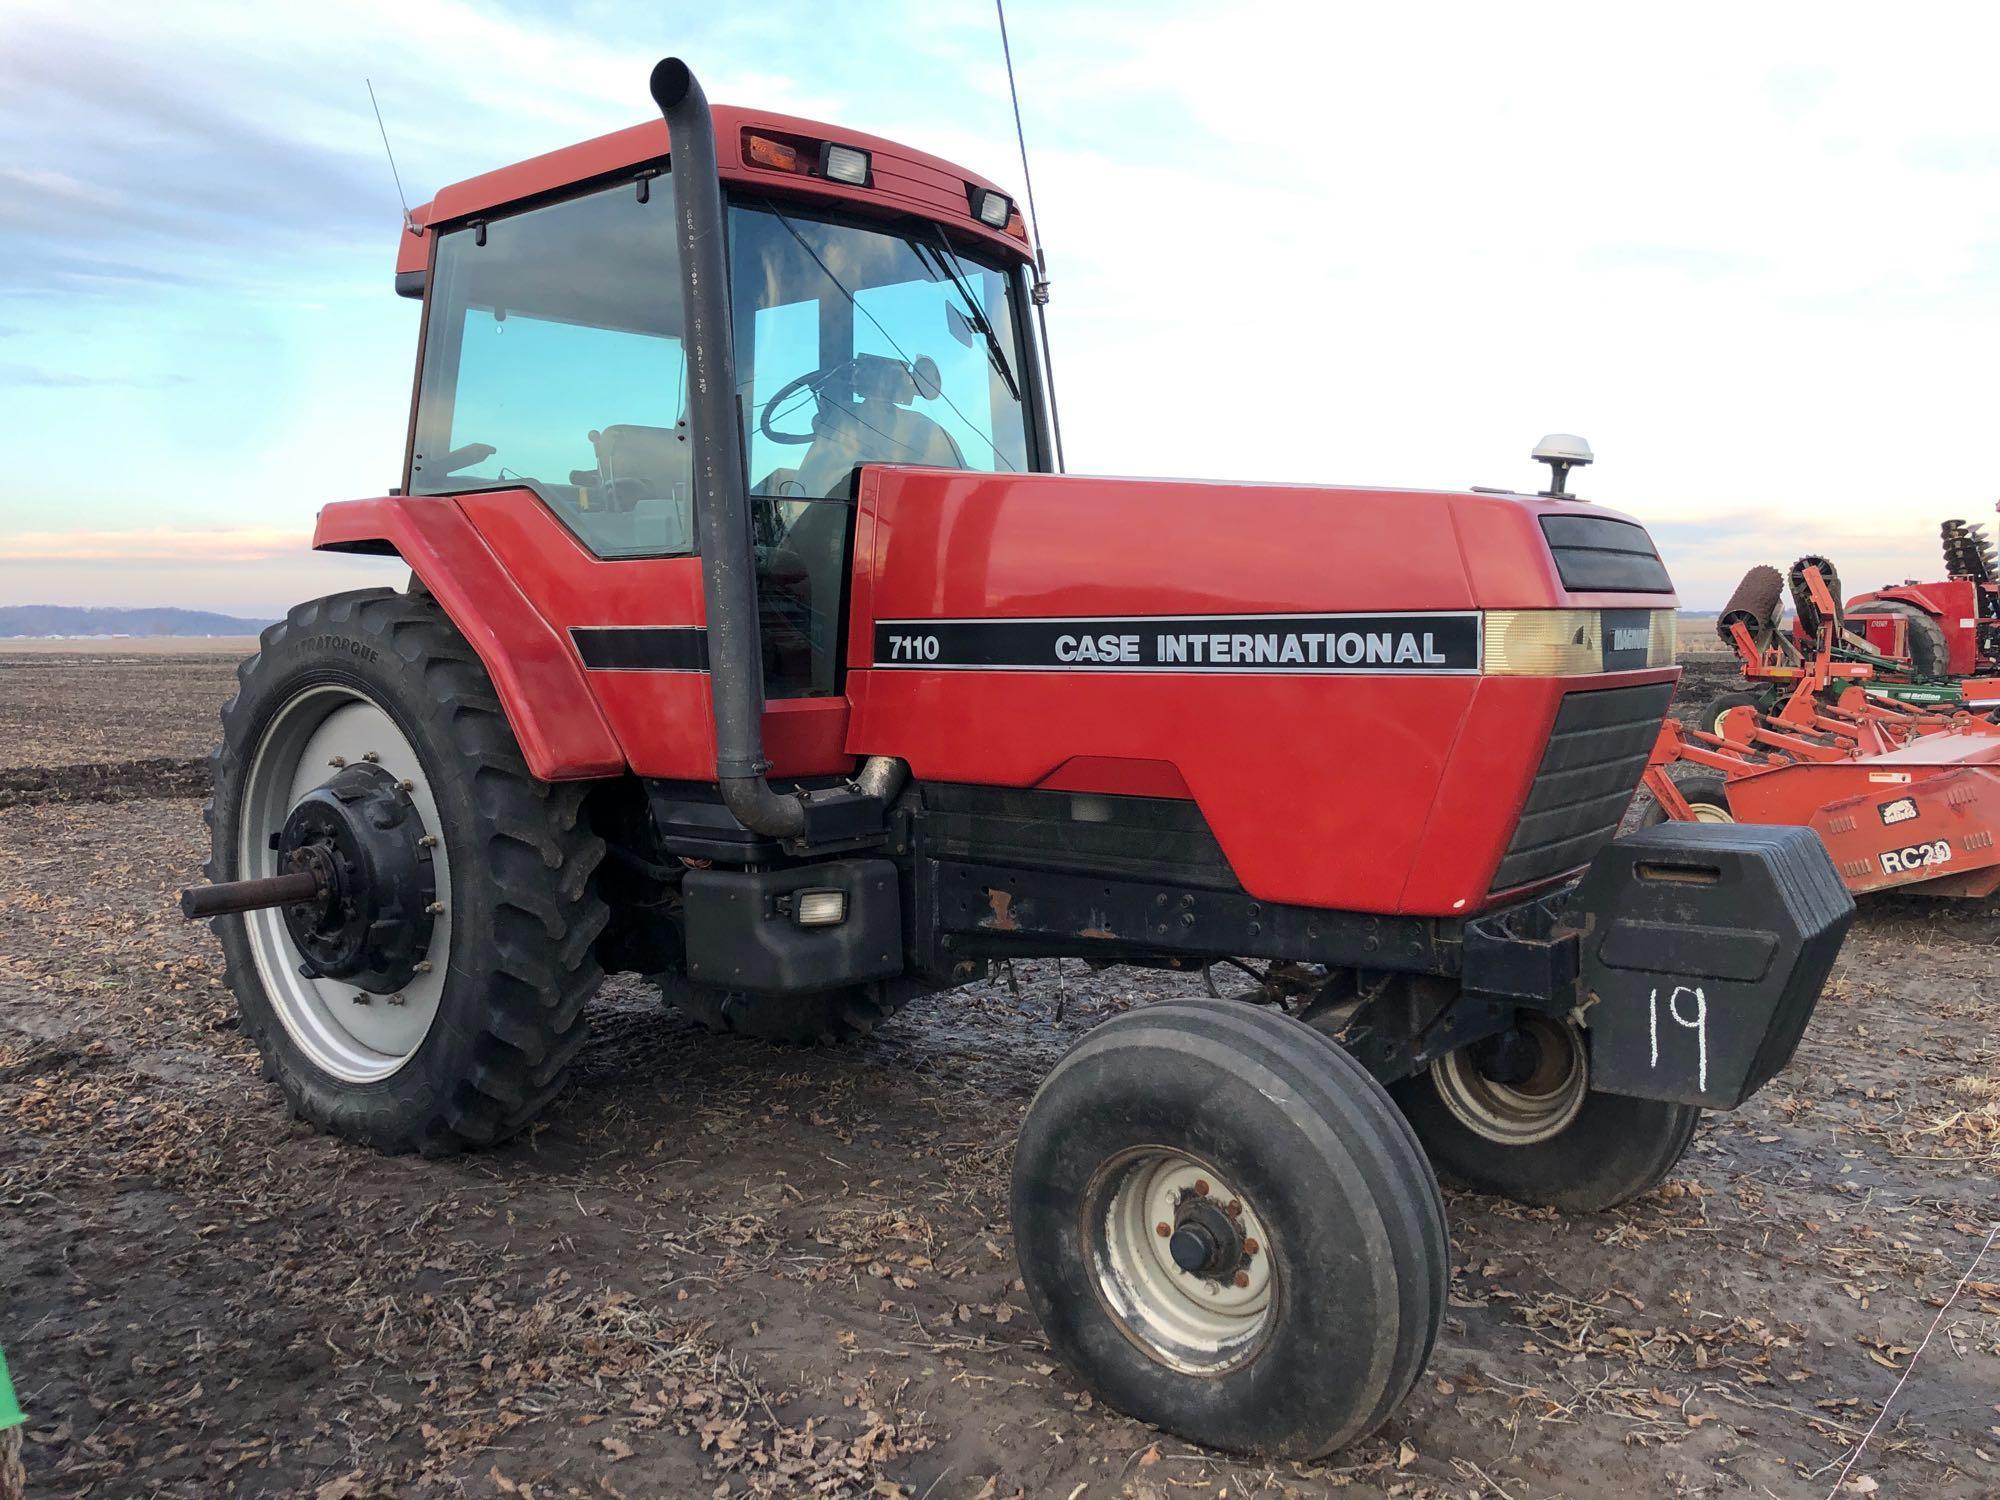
(553, 361)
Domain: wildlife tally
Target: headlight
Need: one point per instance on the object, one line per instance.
(1578, 642)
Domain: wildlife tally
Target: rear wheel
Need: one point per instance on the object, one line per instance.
(1515, 1116)
(824, 1018)
(1930, 652)
(1227, 1229)
(436, 1000)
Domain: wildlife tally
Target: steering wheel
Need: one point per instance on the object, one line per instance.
(812, 379)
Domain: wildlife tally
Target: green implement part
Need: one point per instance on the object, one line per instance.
(10, 1409)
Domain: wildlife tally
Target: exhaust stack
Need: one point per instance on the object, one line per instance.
(721, 486)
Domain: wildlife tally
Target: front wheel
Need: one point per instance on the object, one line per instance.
(1515, 1116)
(1228, 1231)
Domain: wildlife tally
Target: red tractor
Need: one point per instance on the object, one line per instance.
(754, 643)
(1948, 629)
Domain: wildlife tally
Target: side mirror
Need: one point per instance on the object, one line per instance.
(925, 377)
(959, 326)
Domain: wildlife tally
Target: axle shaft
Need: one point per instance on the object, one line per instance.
(250, 895)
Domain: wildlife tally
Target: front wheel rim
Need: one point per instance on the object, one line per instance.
(317, 730)
(1199, 1323)
(1524, 1114)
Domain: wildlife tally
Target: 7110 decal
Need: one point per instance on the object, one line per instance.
(1429, 643)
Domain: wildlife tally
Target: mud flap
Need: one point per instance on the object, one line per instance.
(1705, 946)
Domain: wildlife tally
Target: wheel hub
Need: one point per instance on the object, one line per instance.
(1206, 1241)
(362, 836)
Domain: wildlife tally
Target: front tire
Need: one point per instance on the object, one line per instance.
(1547, 1139)
(477, 1041)
(1296, 1295)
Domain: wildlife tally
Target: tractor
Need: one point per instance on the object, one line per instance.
(1947, 629)
(754, 642)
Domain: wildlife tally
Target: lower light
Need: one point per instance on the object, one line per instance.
(1573, 643)
(819, 908)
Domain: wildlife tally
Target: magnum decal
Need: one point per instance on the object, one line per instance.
(1427, 643)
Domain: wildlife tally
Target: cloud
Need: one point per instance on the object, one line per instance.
(162, 546)
(14, 373)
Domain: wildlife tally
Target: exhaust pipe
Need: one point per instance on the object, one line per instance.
(721, 487)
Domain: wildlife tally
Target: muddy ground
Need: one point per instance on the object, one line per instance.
(721, 1268)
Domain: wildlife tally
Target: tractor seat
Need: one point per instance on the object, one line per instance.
(636, 464)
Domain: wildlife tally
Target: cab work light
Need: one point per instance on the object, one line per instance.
(844, 164)
(1577, 642)
(988, 207)
(819, 908)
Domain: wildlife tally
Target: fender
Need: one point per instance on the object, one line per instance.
(541, 685)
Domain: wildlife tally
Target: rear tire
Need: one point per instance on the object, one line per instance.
(1552, 1141)
(825, 1018)
(1930, 652)
(1295, 1348)
(496, 1017)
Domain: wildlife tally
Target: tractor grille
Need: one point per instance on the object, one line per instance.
(1596, 754)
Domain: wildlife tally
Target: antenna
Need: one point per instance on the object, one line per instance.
(409, 219)
(1040, 290)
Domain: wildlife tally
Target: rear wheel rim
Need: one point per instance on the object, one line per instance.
(1522, 1114)
(1199, 1324)
(1709, 812)
(307, 739)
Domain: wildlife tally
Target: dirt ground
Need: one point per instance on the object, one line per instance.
(721, 1268)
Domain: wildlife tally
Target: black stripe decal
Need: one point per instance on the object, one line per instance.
(1429, 643)
(641, 648)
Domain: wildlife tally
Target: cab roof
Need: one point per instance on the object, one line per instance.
(901, 180)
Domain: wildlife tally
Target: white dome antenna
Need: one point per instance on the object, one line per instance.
(1561, 451)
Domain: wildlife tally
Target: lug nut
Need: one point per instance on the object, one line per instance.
(1234, 1210)
(371, 757)
(1164, 1230)
(396, 999)
(362, 997)
(428, 841)
(1201, 1187)
(1249, 1247)
(1242, 1278)
(435, 908)
(423, 966)
(406, 785)
(337, 761)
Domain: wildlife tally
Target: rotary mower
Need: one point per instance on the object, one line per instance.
(1905, 795)
(756, 643)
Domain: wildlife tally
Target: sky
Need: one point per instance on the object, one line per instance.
(1751, 252)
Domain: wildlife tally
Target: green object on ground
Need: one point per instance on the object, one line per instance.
(10, 1409)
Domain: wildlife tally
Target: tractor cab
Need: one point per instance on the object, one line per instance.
(879, 317)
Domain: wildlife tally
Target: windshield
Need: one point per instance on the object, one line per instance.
(879, 345)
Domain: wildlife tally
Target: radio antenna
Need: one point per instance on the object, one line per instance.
(409, 219)
(1040, 290)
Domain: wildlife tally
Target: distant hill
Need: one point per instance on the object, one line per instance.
(66, 619)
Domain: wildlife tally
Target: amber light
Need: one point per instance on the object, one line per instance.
(765, 152)
(1017, 226)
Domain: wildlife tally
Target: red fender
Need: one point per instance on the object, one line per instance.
(540, 682)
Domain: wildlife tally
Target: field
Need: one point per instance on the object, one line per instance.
(720, 1268)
